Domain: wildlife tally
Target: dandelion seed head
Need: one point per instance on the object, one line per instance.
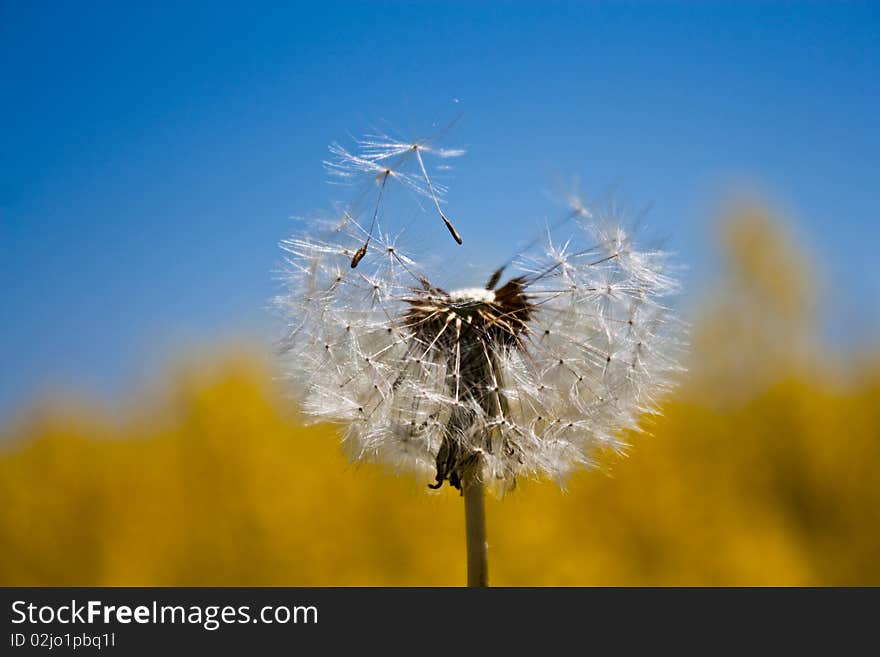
(564, 350)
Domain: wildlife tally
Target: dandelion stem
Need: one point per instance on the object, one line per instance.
(475, 527)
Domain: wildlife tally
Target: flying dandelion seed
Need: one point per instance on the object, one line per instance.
(381, 158)
(527, 375)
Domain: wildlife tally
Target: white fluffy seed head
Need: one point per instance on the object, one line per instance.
(569, 349)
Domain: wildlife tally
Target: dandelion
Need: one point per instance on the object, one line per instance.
(563, 349)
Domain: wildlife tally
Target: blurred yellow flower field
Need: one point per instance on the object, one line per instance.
(763, 473)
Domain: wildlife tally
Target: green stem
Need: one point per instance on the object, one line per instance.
(475, 528)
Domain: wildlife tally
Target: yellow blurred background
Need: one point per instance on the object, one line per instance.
(764, 469)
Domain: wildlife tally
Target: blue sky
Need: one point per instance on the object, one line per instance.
(152, 155)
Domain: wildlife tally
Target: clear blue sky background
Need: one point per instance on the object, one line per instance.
(153, 153)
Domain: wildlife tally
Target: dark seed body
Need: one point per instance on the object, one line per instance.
(466, 335)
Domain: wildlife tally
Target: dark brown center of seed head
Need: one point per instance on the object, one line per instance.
(493, 318)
